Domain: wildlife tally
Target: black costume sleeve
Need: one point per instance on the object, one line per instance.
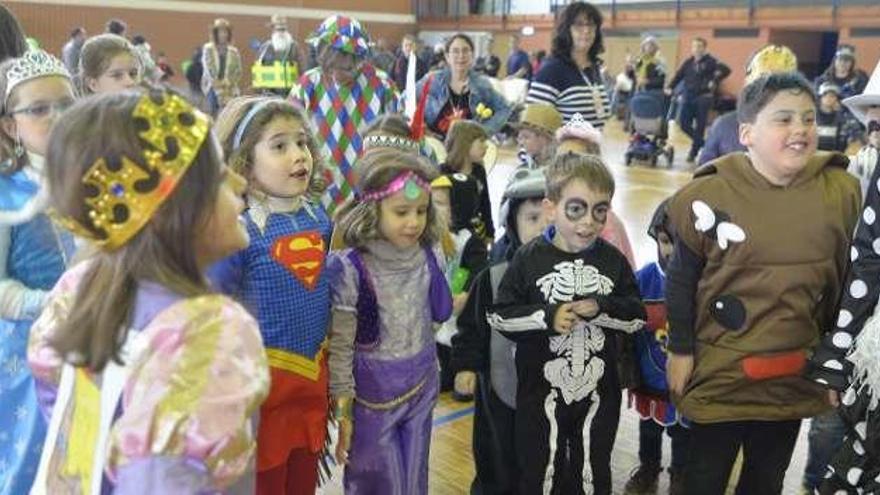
(486, 205)
(679, 74)
(622, 309)
(470, 346)
(721, 71)
(682, 276)
(858, 299)
(512, 314)
(474, 257)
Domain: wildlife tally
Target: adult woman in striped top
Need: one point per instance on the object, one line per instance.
(571, 78)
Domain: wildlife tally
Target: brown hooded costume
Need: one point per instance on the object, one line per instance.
(766, 265)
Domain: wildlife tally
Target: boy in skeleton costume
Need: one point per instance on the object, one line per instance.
(760, 251)
(561, 295)
(848, 360)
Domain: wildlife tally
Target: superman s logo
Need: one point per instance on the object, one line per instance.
(303, 254)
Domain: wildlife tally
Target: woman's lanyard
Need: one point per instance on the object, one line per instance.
(596, 94)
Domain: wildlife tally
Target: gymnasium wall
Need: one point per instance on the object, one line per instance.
(177, 27)
(732, 34)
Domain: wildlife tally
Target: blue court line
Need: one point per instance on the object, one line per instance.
(442, 420)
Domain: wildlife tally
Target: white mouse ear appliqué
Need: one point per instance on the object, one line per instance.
(716, 225)
(705, 216)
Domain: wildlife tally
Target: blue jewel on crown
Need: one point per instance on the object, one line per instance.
(117, 190)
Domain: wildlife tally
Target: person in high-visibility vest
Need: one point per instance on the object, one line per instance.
(277, 67)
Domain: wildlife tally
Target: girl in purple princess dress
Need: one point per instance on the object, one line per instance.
(388, 290)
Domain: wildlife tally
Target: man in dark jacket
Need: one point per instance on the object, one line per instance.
(700, 73)
(401, 65)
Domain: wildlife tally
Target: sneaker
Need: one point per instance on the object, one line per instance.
(643, 481)
(676, 483)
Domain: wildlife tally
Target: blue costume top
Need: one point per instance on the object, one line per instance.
(651, 398)
(280, 278)
(33, 255)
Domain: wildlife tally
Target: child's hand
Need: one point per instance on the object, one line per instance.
(833, 397)
(465, 382)
(679, 368)
(564, 319)
(344, 443)
(587, 308)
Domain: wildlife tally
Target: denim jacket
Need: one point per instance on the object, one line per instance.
(481, 91)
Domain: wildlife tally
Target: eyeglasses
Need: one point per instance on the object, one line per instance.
(43, 110)
(460, 51)
(589, 26)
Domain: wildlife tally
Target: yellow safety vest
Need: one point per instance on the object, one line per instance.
(276, 76)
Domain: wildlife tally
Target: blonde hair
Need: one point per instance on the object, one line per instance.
(96, 55)
(569, 166)
(459, 139)
(241, 157)
(358, 221)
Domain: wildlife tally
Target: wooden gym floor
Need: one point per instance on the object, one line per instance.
(639, 190)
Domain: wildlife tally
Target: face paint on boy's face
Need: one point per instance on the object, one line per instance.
(576, 209)
(577, 223)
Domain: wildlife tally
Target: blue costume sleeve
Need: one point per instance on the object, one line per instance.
(227, 276)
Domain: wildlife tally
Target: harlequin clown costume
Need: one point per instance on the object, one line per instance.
(175, 415)
(383, 361)
(280, 277)
(341, 111)
(33, 255)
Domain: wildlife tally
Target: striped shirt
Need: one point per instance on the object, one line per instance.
(561, 84)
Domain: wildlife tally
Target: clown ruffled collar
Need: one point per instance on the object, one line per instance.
(262, 205)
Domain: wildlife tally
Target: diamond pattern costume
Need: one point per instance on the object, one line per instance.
(340, 112)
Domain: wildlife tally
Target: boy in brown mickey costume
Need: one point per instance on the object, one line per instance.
(761, 249)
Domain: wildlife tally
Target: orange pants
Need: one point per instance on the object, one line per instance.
(299, 476)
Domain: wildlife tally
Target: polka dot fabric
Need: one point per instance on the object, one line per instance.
(855, 468)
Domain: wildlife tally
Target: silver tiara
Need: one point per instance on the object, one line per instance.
(399, 142)
(31, 65)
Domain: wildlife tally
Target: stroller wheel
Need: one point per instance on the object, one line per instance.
(627, 159)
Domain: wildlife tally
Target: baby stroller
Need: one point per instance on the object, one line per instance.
(647, 127)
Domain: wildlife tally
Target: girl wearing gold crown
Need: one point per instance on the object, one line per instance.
(34, 88)
(150, 381)
(281, 276)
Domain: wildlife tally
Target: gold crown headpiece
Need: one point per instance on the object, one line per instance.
(123, 195)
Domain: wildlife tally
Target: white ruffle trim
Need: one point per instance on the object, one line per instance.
(865, 356)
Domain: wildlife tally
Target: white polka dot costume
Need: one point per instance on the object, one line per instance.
(848, 359)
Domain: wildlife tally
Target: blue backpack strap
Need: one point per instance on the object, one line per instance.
(367, 307)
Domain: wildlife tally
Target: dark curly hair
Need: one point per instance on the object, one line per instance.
(562, 42)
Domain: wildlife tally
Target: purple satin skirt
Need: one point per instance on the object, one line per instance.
(389, 448)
